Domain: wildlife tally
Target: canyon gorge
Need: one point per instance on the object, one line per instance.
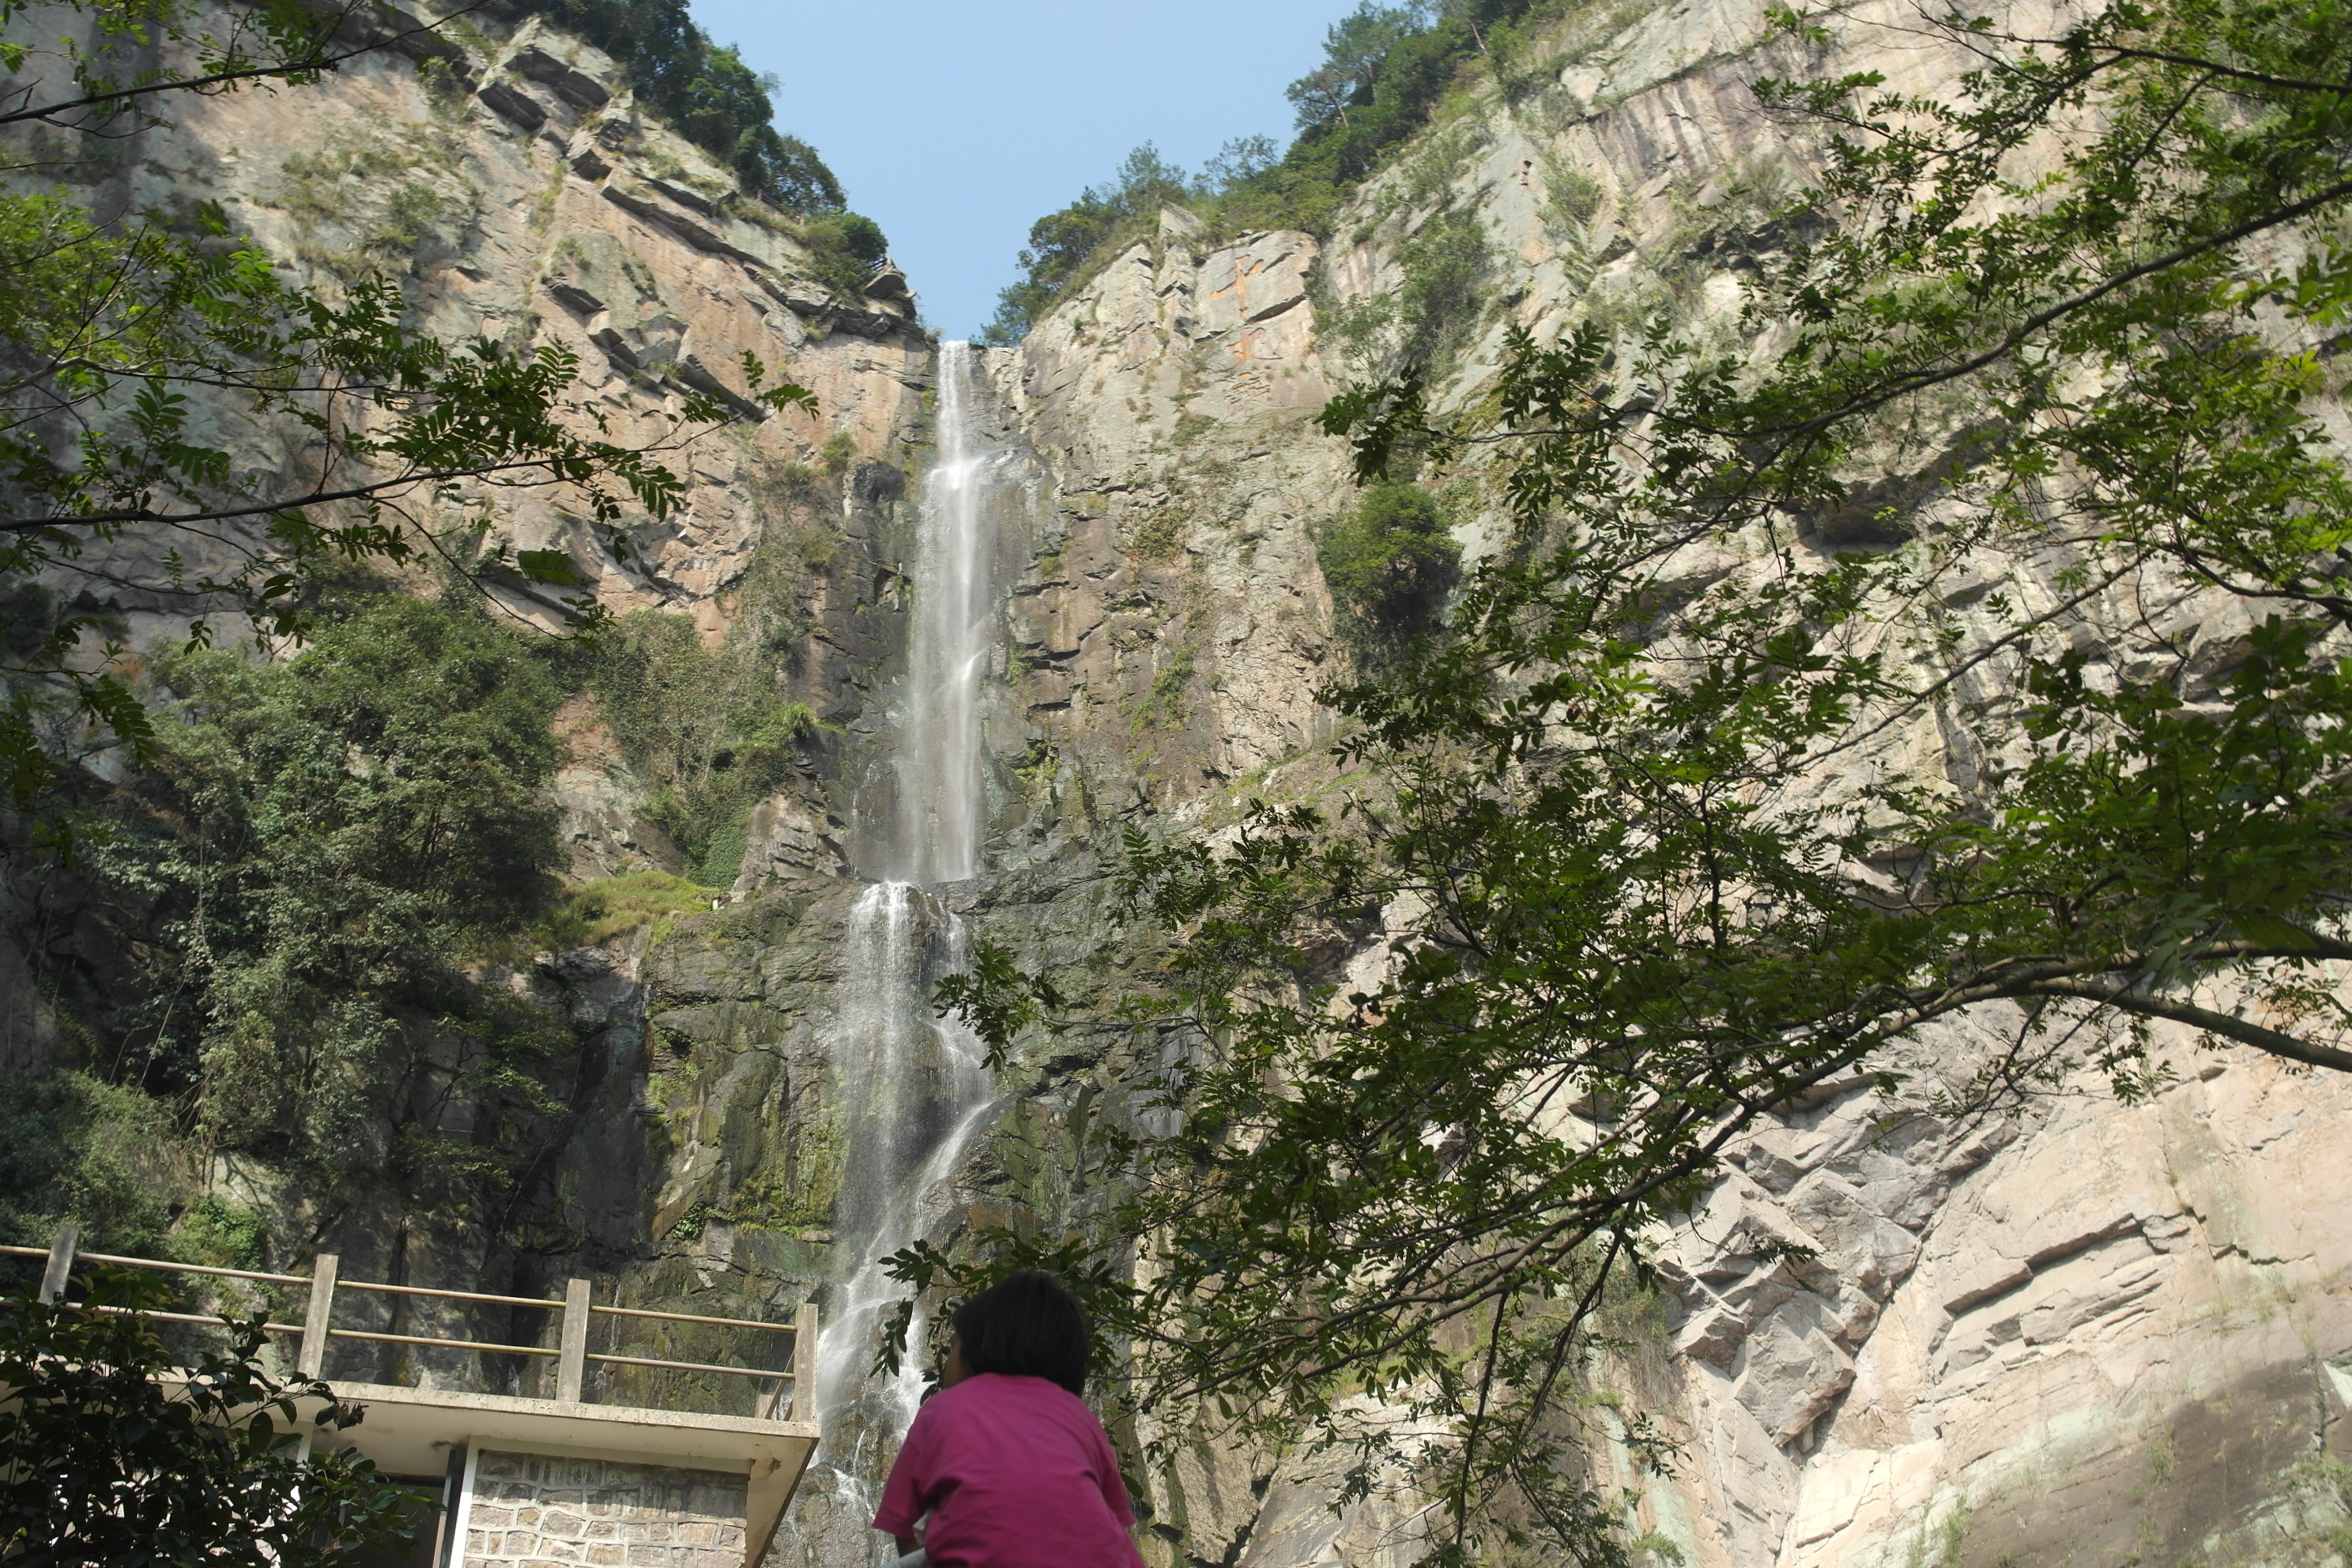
(1022, 597)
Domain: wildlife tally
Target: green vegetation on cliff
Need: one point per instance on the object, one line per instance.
(1066, 246)
(1386, 71)
(707, 728)
(288, 903)
(722, 105)
(705, 91)
(1390, 563)
(324, 843)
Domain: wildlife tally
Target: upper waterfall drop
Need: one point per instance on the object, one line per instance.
(942, 806)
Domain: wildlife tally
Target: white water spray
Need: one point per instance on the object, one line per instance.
(915, 1090)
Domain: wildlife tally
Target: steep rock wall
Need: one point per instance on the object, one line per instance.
(510, 183)
(2095, 1332)
(502, 171)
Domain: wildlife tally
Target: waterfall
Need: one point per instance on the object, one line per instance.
(915, 1087)
(941, 805)
(915, 1090)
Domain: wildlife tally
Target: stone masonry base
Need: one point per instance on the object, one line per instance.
(536, 1511)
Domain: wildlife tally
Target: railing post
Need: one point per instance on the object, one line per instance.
(571, 1367)
(315, 1322)
(805, 1364)
(61, 1266)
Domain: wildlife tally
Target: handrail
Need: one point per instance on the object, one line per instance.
(208, 1317)
(556, 1303)
(690, 1317)
(570, 1351)
(692, 1366)
(449, 1345)
(174, 1268)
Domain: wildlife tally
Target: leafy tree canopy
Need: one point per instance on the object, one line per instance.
(2026, 456)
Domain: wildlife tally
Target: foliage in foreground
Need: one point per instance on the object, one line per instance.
(2026, 461)
(100, 1462)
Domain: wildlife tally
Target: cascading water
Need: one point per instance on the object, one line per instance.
(915, 1090)
(940, 801)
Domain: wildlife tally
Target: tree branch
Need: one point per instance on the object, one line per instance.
(2124, 998)
(318, 62)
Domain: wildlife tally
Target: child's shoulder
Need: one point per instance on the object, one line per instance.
(1005, 1385)
(1000, 1389)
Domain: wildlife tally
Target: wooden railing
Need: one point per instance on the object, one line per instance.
(570, 1353)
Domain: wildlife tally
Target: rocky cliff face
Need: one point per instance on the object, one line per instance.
(2096, 1331)
(2092, 1333)
(508, 178)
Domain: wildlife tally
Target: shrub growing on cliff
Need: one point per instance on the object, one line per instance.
(1389, 565)
(1432, 310)
(1629, 869)
(707, 728)
(105, 1155)
(844, 247)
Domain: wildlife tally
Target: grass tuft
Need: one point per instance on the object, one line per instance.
(596, 912)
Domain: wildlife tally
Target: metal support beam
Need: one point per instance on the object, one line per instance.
(61, 1266)
(323, 1310)
(571, 1368)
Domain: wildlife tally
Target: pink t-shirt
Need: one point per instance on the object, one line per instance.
(1016, 1472)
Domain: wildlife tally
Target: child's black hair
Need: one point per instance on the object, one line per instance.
(1026, 1325)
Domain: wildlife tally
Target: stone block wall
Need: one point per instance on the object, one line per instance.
(536, 1510)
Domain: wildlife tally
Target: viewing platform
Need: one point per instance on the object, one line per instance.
(530, 1479)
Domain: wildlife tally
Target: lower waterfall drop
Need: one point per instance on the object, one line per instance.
(915, 1092)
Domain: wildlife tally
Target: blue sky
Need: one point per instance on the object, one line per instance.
(955, 126)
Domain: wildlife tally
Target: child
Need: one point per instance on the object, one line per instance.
(1013, 1467)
